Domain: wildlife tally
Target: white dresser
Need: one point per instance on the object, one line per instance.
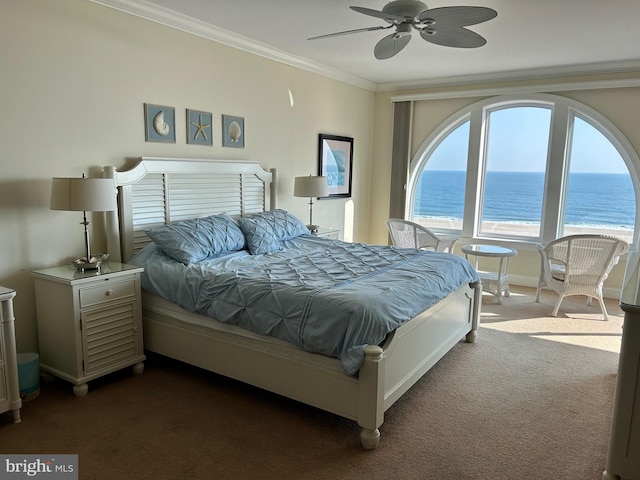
(623, 458)
(89, 323)
(9, 386)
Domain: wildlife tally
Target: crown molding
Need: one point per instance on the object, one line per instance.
(517, 75)
(520, 89)
(172, 19)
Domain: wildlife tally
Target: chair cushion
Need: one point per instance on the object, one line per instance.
(558, 272)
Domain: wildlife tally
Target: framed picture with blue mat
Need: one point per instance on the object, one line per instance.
(199, 127)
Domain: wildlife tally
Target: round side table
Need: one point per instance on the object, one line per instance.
(496, 283)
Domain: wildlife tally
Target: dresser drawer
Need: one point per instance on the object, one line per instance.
(109, 291)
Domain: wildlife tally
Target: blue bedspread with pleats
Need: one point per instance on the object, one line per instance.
(322, 295)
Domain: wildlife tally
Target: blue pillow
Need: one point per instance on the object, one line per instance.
(190, 241)
(265, 231)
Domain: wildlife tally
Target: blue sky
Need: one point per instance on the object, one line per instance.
(519, 144)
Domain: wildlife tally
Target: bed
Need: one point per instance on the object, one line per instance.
(162, 191)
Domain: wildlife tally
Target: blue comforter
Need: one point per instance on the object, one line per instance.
(322, 295)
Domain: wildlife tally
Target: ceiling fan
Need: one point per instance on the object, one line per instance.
(442, 26)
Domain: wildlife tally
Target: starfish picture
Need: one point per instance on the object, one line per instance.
(200, 129)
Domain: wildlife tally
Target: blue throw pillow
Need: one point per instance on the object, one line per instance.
(190, 241)
(265, 231)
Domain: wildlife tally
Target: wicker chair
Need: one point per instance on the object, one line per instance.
(579, 265)
(413, 235)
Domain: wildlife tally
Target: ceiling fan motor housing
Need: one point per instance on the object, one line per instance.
(409, 9)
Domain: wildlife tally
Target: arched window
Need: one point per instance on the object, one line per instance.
(525, 169)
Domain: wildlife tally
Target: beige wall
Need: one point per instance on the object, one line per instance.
(619, 105)
(75, 76)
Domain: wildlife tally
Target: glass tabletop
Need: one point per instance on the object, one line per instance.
(489, 250)
(6, 293)
(70, 272)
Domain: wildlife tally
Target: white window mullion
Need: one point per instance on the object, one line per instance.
(475, 162)
(556, 177)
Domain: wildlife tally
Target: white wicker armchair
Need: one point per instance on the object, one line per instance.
(413, 235)
(579, 265)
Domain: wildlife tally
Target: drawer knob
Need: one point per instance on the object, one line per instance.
(108, 292)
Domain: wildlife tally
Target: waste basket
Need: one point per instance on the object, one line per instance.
(29, 375)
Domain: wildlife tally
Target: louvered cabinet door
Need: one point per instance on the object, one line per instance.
(110, 334)
(89, 323)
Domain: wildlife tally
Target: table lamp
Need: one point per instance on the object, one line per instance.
(84, 194)
(311, 187)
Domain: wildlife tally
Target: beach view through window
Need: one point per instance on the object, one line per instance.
(598, 195)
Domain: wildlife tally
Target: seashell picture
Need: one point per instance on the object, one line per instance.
(199, 127)
(232, 131)
(159, 123)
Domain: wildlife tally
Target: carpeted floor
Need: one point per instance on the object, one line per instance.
(531, 399)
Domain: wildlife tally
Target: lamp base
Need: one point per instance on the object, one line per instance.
(94, 263)
(83, 264)
(313, 228)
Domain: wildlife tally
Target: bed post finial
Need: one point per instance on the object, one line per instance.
(112, 227)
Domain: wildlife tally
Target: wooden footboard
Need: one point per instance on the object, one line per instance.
(387, 373)
(410, 352)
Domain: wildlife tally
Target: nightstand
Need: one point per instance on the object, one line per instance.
(328, 233)
(89, 323)
(9, 385)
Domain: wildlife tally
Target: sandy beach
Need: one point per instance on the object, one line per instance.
(523, 229)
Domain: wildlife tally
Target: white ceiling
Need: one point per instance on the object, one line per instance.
(528, 38)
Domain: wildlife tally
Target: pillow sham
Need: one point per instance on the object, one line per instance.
(265, 231)
(190, 241)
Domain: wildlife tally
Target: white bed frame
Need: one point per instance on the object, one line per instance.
(162, 190)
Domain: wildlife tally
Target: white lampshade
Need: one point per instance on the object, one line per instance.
(310, 186)
(83, 194)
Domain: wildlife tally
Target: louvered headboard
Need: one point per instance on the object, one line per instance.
(160, 191)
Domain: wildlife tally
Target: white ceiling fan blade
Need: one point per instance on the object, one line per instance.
(390, 45)
(458, 37)
(378, 14)
(457, 16)
(349, 32)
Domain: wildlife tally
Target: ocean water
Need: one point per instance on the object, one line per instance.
(594, 199)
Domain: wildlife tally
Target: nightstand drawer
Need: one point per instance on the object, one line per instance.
(107, 292)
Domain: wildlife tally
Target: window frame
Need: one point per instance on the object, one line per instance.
(485, 132)
(563, 112)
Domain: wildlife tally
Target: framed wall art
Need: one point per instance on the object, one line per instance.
(159, 123)
(232, 131)
(335, 161)
(199, 127)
